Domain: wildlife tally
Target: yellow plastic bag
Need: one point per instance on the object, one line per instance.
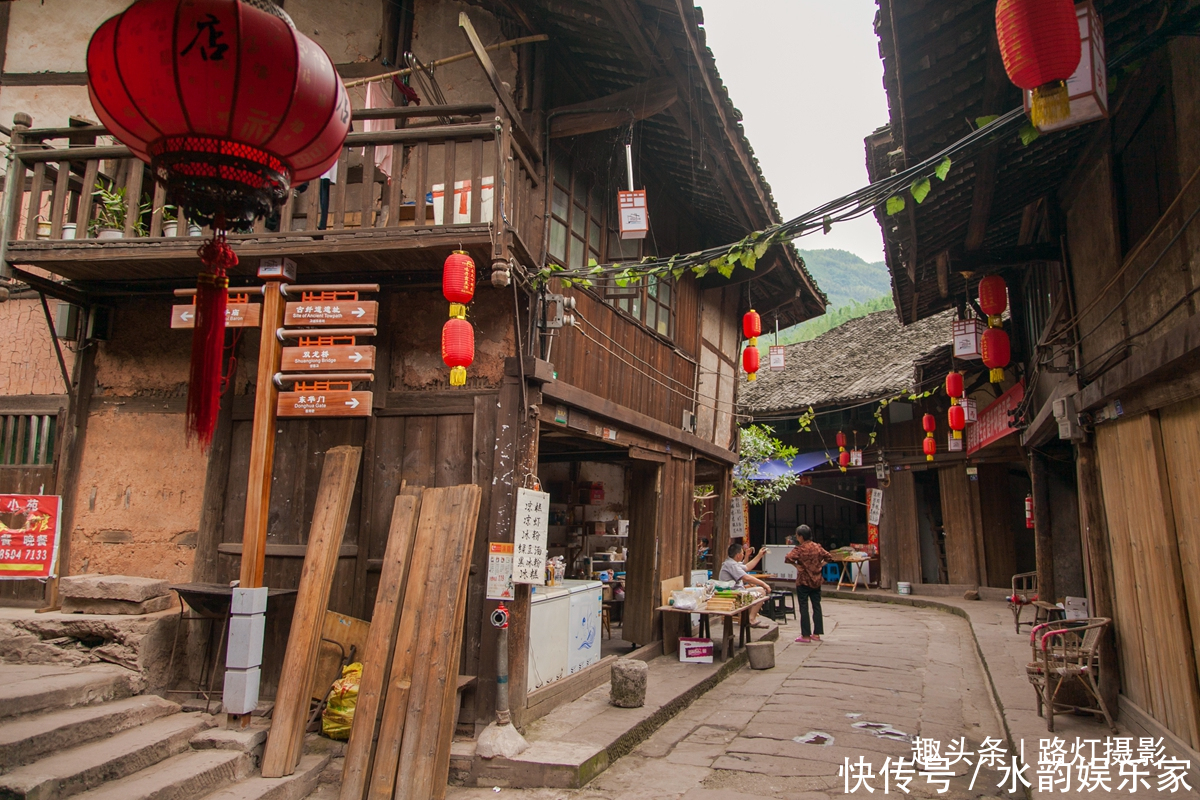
(339, 706)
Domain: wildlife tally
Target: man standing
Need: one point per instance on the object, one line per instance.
(808, 557)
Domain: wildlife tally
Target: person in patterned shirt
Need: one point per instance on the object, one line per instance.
(808, 557)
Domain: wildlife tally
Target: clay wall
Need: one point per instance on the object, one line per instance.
(28, 364)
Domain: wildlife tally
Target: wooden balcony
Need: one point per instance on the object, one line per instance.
(388, 196)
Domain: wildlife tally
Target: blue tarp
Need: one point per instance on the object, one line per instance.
(776, 467)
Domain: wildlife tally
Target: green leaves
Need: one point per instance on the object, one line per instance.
(1029, 134)
(943, 169)
(895, 205)
(920, 190)
(757, 446)
(983, 122)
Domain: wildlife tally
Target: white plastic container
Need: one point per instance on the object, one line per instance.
(903, 587)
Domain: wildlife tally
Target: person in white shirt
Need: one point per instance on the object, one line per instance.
(737, 569)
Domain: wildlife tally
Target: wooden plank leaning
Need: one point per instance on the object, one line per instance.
(377, 656)
(435, 681)
(286, 740)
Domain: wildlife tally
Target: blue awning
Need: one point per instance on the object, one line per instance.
(777, 467)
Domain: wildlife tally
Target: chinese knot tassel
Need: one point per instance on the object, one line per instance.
(208, 339)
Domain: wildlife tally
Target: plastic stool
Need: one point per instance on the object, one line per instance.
(785, 603)
(830, 572)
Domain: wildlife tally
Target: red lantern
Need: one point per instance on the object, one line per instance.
(750, 362)
(1041, 47)
(993, 295)
(843, 460)
(929, 423)
(954, 386)
(958, 420)
(458, 349)
(996, 352)
(841, 439)
(230, 106)
(458, 282)
(930, 447)
(752, 326)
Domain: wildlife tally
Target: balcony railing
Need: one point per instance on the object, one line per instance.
(449, 172)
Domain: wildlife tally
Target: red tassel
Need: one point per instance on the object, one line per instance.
(208, 340)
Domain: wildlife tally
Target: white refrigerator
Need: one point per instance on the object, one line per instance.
(584, 626)
(548, 612)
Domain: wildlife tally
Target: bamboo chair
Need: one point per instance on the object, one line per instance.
(1066, 651)
(1024, 592)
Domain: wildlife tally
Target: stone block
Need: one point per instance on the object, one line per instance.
(85, 605)
(629, 683)
(129, 588)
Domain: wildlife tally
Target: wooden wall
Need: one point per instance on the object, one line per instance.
(899, 532)
(995, 512)
(1149, 474)
(960, 509)
(620, 360)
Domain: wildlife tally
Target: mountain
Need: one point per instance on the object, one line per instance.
(846, 278)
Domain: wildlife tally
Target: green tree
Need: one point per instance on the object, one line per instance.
(756, 447)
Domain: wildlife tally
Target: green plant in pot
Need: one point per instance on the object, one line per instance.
(111, 214)
(170, 221)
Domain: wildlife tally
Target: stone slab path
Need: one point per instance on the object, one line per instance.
(883, 675)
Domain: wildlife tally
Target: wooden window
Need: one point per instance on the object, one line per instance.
(1145, 169)
(27, 439)
(576, 218)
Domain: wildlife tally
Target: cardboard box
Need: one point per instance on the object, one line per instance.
(696, 651)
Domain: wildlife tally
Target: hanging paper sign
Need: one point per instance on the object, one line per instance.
(634, 219)
(530, 537)
(776, 355)
(873, 535)
(739, 518)
(856, 458)
(953, 445)
(874, 505)
(500, 571)
(970, 410)
(968, 338)
(29, 533)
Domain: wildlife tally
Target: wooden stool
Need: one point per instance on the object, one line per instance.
(605, 622)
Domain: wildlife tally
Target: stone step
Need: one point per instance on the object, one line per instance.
(296, 786)
(26, 739)
(33, 688)
(79, 769)
(183, 777)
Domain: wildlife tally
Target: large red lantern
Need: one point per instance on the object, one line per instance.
(752, 326)
(1041, 47)
(750, 362)
(958, 420)
(957, 415)
(993, 295)
(929, 423)
(230, 106)
(843, 460)
(954, 385)
(996, 352)
(458, 282)
(458, 349)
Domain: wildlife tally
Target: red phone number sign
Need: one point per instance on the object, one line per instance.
(29, 528)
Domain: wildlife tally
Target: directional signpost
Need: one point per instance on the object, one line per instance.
(330, 403)
(237, 315)
(339, 312)
(340, 357)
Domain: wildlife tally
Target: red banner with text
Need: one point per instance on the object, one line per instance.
(29, 533)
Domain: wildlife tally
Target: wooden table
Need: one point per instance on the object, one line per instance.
(848, 575)
(725, 651)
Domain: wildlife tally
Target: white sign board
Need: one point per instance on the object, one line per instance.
(776, 353)
(874, 505)
(530, 537)
(968, 338)
(500, 571)
(738, 512)
(632, 214)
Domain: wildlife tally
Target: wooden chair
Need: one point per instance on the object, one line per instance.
(1063, 652)
(1024, 593)
(605, 622)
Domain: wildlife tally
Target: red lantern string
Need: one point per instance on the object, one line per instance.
(458, 349)
(752, 326)
(458, 282)
(929, 423)
(750, 362)
(994, 347)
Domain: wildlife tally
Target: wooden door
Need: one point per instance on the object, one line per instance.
(959, 516)
(899, 532)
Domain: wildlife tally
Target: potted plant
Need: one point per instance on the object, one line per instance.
(111, 216)
(170, 221)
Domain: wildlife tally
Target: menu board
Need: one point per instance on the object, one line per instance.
(530, 537)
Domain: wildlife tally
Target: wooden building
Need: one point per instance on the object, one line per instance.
(951, 522)
(521, 171)
(1093, 229)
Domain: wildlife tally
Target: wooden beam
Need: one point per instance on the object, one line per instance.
(285, 744)
(377, 656)
(1043, 534)
(1094, 521)
(262, 440)
(620, 108)
(976, 260)
(489, 69)
(1169, 354)
(995, 84)
(216, 487)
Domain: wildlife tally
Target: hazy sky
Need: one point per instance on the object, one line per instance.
(807, 77)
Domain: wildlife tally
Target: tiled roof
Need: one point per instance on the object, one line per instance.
(864, 359)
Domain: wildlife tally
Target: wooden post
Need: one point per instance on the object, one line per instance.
(216, 486)
(285, 744)
(1094, 521)
(262, 440)
(1043, 534)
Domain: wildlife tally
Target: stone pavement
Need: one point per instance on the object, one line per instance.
(883, 674)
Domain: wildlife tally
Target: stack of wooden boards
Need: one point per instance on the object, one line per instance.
(407, 703)
(404, 721)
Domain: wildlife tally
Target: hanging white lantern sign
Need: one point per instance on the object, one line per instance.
(968, 338)
(634, 220)
(1088, 87)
